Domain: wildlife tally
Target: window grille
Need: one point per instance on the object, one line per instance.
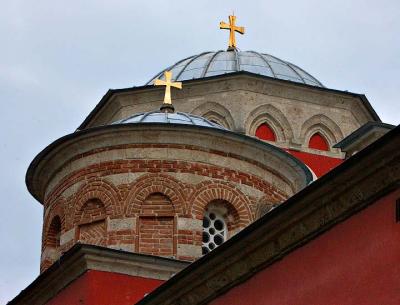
(214, 231)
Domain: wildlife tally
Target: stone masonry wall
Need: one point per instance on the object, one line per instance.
(241, 103)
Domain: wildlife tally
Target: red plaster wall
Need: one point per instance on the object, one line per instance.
(318, 142)
(354, 263)
(264, 132)
(319, 164)
(105, 288)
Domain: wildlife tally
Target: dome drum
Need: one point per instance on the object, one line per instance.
(111, 180)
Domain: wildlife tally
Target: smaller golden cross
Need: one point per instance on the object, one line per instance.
(168, 84)
(232, 29)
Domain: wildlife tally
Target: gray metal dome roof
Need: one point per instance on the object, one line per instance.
(222, 62)
(172, 118)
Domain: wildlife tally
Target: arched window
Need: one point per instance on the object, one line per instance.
(214, 230)
(54, 233)
(220, 222)
(317, 141)
(264, 132)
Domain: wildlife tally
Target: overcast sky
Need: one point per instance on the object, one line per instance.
(58, 58)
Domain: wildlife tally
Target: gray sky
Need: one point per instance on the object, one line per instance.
(57, 59)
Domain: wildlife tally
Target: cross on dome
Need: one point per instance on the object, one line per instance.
(232, 29)
(167, 105)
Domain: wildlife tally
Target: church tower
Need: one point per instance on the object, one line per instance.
(247, 131)
(156, 178)
(164, 183)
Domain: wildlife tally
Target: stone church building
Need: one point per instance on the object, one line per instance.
(254, 161)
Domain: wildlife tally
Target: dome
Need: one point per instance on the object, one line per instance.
(168, 117)
(222, 62)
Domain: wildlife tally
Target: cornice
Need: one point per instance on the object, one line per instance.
(57, 155)
(82, 258)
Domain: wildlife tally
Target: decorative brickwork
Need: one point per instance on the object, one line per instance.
(93, 233)
(54, 210)
(54, 233)
(136, 204)
(210, 191)
(156, 235)
(156, 226)
(53, 227)
(98, 190)
(101, 169)
(153, 184)
(93, 210)
(91, 223)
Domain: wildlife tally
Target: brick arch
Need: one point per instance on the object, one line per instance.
(323, 125)
(101, 190)
(215, 112)
(265, 204)
(92, 210)
(211, 191)
(149, 184)
(227, 211)
(157, 204)
(274, 118)
(55, 210)
(53, 233)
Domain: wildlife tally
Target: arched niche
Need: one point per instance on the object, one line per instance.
(322, 125)
(53, 235)
(274, 118)
(217, 113)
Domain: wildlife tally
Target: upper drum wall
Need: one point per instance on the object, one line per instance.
(241, 102)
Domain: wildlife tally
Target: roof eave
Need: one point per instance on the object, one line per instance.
(360, 132)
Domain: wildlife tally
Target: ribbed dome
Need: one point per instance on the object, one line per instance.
(172, 118)
(222, 62)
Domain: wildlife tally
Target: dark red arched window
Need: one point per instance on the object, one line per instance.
(264, 132)
(317, 141)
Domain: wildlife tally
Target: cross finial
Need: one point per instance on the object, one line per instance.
(168, 84)
(232, 29)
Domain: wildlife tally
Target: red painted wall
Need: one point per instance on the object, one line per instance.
(264, 132)
(318, 142)
(357, 262)
(319, 164)
(105, 288)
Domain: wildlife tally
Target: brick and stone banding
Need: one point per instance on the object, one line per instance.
(151, 197)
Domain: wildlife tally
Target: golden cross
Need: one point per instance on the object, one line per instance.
(232, 29)
(168, 84)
